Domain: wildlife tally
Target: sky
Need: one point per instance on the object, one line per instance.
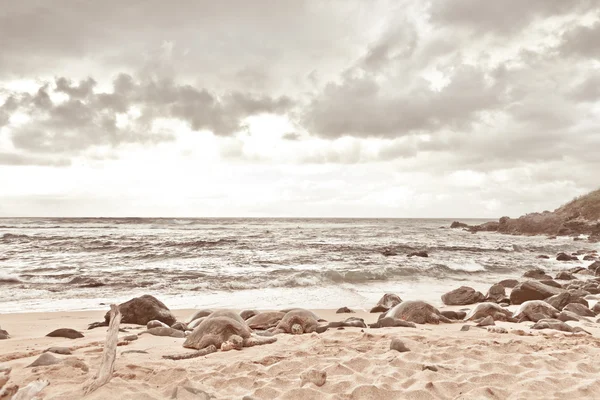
(345, 108)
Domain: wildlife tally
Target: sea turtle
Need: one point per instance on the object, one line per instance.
(535, 310)
(199, 314)
(247, 314)
(265, 320)
(228, 314)
(298, 321)
(493, 310)
(557, 325)
(416, 311)
(388, 301)
(224, 333)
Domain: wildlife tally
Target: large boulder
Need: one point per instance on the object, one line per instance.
(579, 309)
(141, 310)
(536, 273)
(509, 283)
(497, 294)
(565, 257)
(462, 296)
(532, 290)
(565, 276)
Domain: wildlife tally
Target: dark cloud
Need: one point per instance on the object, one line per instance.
(88, 118)
(361, 106)
(291, 136)
(582, 41)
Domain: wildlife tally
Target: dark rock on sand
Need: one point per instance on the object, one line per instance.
(551, 282)
(130, 338)
(398, 345)
(509, 283)
(455, 315)
(497, 294)
(65, 333)
(596, 308)
(560, 300)
(141, 310)
(4, 334)
(420, 253)
(543, 256)
(577, 270)
(462, 296)
(532, 290)
(465, 328)
(417, 311)
(579, 309)
(44, 360)
(565, 276)
(388, 301)
(344, 310)
(457, 224)
(566, 257)
(536, 273)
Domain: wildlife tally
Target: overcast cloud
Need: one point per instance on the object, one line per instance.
(300, 108)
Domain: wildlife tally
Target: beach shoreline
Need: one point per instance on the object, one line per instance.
(443, 362)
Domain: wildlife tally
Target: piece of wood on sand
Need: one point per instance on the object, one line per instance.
(12, 392)
(108, 355)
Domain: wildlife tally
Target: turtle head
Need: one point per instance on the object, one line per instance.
(296, 329)
(235, 342)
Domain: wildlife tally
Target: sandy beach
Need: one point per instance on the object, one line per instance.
(443, 362)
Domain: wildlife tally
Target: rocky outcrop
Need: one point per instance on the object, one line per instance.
(462, 296)
(566, 257)
(141, 310)
(457, 224)
(561, 300)
(532, 290)
(497, 294)
(578, 217)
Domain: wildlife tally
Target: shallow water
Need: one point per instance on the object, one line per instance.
(76, 264)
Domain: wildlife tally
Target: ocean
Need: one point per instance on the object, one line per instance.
(59, 264)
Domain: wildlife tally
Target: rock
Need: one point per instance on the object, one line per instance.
(344, 310)
(141, 310)
(65, 351)
(536, 273)
(543, 256)
(509, 283)
(491, 226)
(462, 296)
(65, 333)
(421, 253)
(4, 334)
(496, 294)
(465, 328)
(44, 360)
(487, 321)
(388, 301)
(532, 290)
(576, 270)
(389, 252)
(456, 225)
(496, 329)
(316, 377)
(130, 338)
(398, 345)
(565, 276)
(535, 310)
(589, 257)
(430, 368)
(349, 322)
(455, 315)
(559, 301)
(594, 267)
(579, 309)
(596, 308)
(565, 316)
(566, 257)
(551, 282)
(156, 324)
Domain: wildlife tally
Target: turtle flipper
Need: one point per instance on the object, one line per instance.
(258, 340)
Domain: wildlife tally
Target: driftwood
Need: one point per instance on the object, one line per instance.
(30, 391)
(108, 355)
(6, 392)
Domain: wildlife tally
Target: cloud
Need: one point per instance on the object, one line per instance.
(16, 159)
(87, 118)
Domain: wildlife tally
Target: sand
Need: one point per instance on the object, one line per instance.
(443, 363)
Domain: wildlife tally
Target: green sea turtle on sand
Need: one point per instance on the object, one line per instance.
(418, 312)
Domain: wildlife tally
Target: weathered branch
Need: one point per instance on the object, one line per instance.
(109, 354)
